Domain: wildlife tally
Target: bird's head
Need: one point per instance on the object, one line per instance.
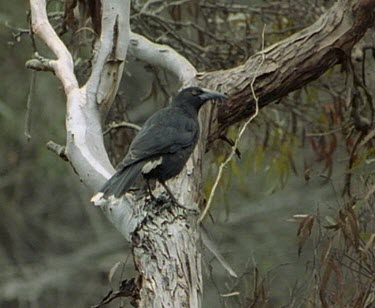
(195, 97)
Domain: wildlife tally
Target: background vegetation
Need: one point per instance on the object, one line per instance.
(310, 154)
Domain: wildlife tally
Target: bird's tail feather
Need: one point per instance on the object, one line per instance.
(122, 180)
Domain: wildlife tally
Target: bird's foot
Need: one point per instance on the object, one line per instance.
(180, 205)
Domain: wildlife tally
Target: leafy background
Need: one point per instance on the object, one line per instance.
(56, 249)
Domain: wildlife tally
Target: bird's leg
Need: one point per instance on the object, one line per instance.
(149, 190)
(174, 200)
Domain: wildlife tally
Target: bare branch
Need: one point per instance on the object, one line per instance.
(111, 47)
(121, 124)
(63, 66)
(238, 139)
(84, 147)
(163, 56)
(57, 149)
(291, 63)
(165, 251)
(30, 95)
(40, 64)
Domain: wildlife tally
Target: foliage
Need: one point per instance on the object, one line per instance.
(307, 134)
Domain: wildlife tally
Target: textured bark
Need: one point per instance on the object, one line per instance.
(165, 243)
(291, 63)
(165, 238)
(84, 146)
(167, 259)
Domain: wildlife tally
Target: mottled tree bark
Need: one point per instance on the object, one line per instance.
(288, 65)
(291, 63)
(168, 260)
(164, 238)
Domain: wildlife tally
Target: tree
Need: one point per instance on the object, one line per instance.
(165, 241)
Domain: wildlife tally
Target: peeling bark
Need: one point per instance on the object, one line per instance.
(84, 146)
(291, 63)
(288, 65)
(167, 259)
(165, 237)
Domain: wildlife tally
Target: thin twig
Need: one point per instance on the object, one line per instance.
(31, 32)
(58, 149)
(336, 130)
(27, 129)
(235, 146)
(121, 124)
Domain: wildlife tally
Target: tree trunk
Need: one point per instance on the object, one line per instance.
(167, 259)
(165, 237)
(290, 64)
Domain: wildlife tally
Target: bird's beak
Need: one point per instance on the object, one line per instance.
(212, 95)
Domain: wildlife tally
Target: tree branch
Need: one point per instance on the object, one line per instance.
(110, 54)
(84, 146)
(162, 56)
(238, 139)
(63, 66)
(165, 251)
(291, 63)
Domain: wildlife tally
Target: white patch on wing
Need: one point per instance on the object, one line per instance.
(152, 164)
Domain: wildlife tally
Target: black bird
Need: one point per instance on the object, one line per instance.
(164, 144)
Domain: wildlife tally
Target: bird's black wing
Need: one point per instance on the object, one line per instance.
(168, 131)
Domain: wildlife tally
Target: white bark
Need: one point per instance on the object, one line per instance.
(166, 255)
(164, 244)
(174, 251)
(85, 148)
(162, 56)
(110, 53)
